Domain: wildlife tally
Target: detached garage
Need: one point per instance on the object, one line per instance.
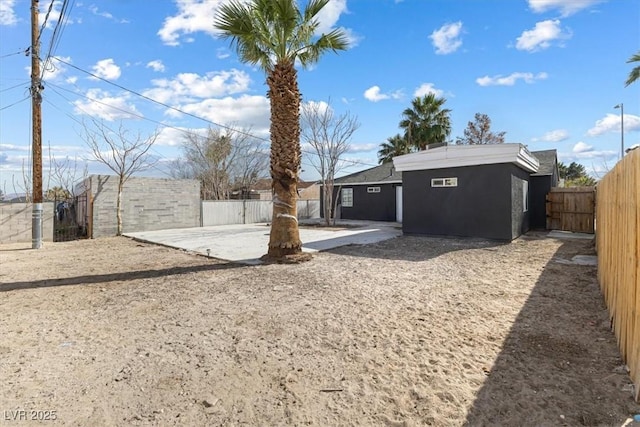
(467, 190)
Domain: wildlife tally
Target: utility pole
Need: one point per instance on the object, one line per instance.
(36, 145)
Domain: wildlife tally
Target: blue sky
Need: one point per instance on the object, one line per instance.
(547, 72)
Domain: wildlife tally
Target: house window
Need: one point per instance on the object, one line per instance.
(347, 197)
(525, 196)
(444, 182)
(373, 189)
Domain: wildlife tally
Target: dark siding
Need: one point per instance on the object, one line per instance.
(519, 218)
(540, 187)
(367, 206)
(480, 206)
(371, 206)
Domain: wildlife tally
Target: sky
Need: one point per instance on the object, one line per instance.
(547, 72)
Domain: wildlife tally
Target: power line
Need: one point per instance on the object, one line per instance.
(355, 162)
(56, 36)
(13, 87)
(46, 18)
(13, 54)
(15, 103)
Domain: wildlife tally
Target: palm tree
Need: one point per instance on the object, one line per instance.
(635, 72)
(274, 34)
(394, 146)
(426, 122)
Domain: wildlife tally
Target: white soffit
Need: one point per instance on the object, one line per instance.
(454, 156)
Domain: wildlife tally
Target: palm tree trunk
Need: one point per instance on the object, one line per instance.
(284, 98)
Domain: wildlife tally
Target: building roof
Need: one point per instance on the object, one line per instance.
(548, 162)
(453, 156)
(383, 174)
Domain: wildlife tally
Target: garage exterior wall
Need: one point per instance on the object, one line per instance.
(487, 202)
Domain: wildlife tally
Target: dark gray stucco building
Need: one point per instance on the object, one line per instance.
(374, 194)
(546, 177)
(468, 191)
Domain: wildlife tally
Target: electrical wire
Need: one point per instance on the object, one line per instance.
(46, 19)
(355, 162)
(12, 54)
(15, 103)
(56, 37)
(13, 87)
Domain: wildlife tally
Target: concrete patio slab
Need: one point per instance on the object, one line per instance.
(246, 243)
(558, 234)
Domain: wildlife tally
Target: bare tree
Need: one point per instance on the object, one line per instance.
(122, 152)
(221, 160)
(65, 173)
(479, 132)
(328, 135)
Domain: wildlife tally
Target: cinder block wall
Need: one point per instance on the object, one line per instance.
(147, 204)
(15, 222)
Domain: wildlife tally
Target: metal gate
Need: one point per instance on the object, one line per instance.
(571, 209)
(68, 219)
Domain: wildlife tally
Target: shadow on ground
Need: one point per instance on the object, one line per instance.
(114, 277)
(560, 359)
(403, 247)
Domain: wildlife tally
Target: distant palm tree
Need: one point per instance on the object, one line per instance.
(274, 34)
(426, 122)
(635, 72)
(394, 146)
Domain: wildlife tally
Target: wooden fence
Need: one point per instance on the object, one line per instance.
(618, 245)
(571, 209)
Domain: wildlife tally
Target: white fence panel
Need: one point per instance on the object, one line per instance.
(226, 212)
(308, 209)
(258, 211)
(221, 212)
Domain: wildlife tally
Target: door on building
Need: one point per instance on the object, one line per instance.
(399, 204)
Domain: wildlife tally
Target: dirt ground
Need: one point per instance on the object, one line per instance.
(408, 332)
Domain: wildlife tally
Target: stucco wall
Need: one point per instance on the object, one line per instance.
(147, 204)
(15, 222)
(482, 205)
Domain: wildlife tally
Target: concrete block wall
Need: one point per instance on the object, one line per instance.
(147, 204)
(15, 222)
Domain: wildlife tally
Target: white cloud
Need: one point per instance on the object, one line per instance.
(7, 13)
(55, 69)
(197, 16)
(362, 148)
(71, 80)
(511, 79)
(94, 9)
(105, 106)
(374, 94)
(566, 7)
(446, 39)
(427, 88)
(246, 111)
(612, 123)
(554, 136)
(192, 16)
(106, 69)
(13, 147)
(319, 106)
(186, 87)
(156, 65)
(222, 53)
(172, 137)
(541, 36)
(330, 14)
(582, 147)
